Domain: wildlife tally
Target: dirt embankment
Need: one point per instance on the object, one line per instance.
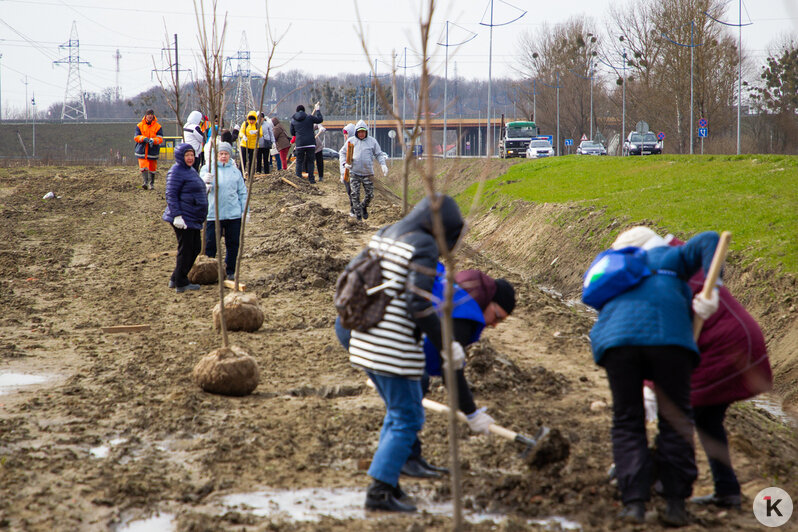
(120, 431)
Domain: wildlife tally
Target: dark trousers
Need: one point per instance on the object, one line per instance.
(231, 232)
(263, 161)
(320, 164)
(189, 243)
(199, 160)
(709, 425)
(304, 162)
(246, 155)
(670, 369)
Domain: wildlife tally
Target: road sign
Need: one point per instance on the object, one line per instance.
(661, 135)
(569, 142)
(392, 134)
(703, 132)
(584, 137)
(702, 123)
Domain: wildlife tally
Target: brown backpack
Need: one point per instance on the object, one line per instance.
(360, 296)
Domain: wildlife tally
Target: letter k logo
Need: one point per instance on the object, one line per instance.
(772, 506)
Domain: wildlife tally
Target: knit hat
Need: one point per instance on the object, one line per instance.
(224, 146)
(639, 236)
(505, 295)
(300, 107)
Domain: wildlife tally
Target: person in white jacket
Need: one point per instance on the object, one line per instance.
(265, 144)
(232, 202)
(193, 134)
(361, 170)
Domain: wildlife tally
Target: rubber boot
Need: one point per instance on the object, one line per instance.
(152, 180)
(382, 496)
(144, 179)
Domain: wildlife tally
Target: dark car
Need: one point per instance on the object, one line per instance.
(642, 144)
(329, 153)
(590, 147)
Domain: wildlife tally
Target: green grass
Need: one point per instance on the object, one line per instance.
(753, 196)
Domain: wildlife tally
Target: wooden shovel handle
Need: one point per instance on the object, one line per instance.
(350, 152)
(712, 276)
(443, 409)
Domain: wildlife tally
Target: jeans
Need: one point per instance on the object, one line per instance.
(670, 369)
(189, 243)
(231, 231)
(709, 425)
(404, 417)
(342, 333)
(276, 161)
(304, 162)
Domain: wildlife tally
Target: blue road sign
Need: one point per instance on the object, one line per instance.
(550, 138)
(702, 122)
(703, 132)
(569, 142)
(661, 135)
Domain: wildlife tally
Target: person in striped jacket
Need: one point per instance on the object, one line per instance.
(391, 352)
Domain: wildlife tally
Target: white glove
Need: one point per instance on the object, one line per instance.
(458, 356)
(384, 169)
(704, 308)
(347, 166)
(479, 421)
(317, 107)
(179, 223)
(208, 188)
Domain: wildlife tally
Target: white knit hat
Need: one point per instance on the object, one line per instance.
(639, 236)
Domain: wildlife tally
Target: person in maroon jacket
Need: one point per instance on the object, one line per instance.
(734, 366)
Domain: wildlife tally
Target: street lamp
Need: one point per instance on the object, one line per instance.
(691, 46)
(446, 44)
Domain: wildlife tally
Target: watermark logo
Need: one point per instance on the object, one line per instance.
(772, 507)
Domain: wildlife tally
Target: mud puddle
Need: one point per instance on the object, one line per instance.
(101, 451)
(311, 504)
(158, 523)
(10, 382)
(773, 406)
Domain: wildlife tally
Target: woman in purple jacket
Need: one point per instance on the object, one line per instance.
(186, 209)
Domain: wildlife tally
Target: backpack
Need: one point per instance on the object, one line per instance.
(612, 273)
(360, 297)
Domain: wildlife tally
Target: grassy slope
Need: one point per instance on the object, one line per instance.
(753, 196)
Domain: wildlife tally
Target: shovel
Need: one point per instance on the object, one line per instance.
(528, 442)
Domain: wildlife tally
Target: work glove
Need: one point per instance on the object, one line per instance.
(347, 166)
(458, 356)
(208, 188)
(384, 169)
(150, 141)
(179, 223)
(479, 421)
(317, 107)
(704, 308)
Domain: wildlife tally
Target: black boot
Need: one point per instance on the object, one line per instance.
(415, 468)
(723, 501)
(633, 512)
(365, 212)
(144, 179)
(381, 496)
(431, 467)
(675, 514)
(401, 496)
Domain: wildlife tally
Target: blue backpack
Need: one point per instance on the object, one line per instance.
(612, 273)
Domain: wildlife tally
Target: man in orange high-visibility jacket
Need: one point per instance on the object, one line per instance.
(149, 138)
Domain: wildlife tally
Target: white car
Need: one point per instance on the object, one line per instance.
(539, 148)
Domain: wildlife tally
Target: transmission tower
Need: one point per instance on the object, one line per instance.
(241, 74)
(74, 88)
(117, 56)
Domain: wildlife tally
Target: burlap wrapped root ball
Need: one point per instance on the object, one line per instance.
(204, 271)
(227, 371)
(241, 312)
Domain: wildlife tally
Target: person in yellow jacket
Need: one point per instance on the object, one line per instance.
(149, 138)
(249, 137)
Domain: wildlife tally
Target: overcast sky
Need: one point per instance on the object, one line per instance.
(321, 38)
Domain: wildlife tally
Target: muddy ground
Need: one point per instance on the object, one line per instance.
(99, 255)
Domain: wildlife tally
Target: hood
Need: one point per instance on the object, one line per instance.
(350, 129)
(275, 121)
(195, 117)
(180, 153)
(154, 120)
(480, 287)
(420, 218)
(252, 114)
(361, 124)
(299, 116)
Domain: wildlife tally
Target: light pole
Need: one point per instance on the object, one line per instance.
(446, 44)
(33, 104)
(691, 46)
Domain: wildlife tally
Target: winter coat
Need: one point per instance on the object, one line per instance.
(365, 150)
(393, 346)
(232, 191)
(266, 135)
(185, 192)
(249, 132)
(302, 128)
(658, 311)
(192, 132)
(281, 138)
(145, 131)
(734, 361)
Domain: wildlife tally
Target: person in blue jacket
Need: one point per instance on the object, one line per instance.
(647, 333)
(186, 209)
(232, 203)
